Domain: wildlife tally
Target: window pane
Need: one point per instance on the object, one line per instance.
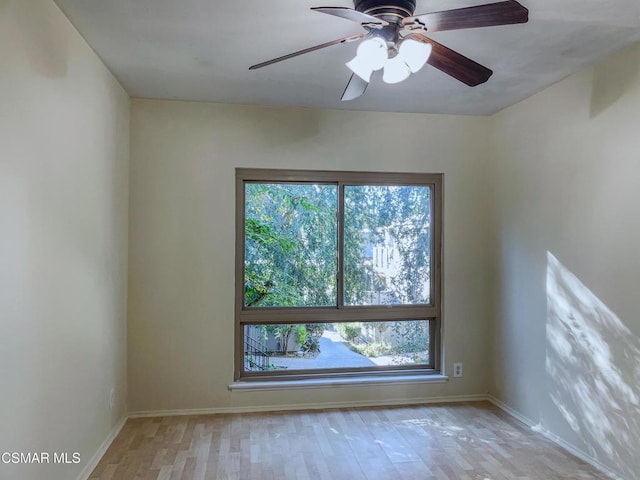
(288, 348)
(290, 245)
(387, 246)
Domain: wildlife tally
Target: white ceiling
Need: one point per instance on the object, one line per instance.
(201, 50)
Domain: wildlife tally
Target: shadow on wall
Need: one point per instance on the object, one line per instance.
(614, 79)
(593, 370)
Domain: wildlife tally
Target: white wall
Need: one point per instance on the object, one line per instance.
(567, 321)
(183, 157)
(64, 129)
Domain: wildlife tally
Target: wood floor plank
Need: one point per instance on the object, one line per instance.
(468, 441)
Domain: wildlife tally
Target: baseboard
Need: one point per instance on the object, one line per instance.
(514, 413)
(585, 457)
(95, 459)
(308, 406)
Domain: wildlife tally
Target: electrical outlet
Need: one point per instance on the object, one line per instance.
(112, 398)
(457, 370)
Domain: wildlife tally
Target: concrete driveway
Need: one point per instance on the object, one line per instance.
(333, 354)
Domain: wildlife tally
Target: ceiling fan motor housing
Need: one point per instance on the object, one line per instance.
(393, 11)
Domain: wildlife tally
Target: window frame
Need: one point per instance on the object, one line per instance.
(340, 313)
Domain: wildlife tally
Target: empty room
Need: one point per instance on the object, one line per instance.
(352, 239)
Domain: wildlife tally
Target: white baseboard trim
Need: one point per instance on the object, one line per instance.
(585, 457)
(95, 459)
(308, 406)
(514, 413)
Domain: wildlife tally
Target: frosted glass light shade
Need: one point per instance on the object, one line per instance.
(396, 70)
(415, 54)
(360, 68)
(373, 52)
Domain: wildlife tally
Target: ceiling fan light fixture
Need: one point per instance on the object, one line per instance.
(373, 52)
(360, 68)
(415, 54)
(396, 70)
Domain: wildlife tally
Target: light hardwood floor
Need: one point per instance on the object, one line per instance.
(470, 441)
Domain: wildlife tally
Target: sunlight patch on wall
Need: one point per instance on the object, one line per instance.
(593, 370)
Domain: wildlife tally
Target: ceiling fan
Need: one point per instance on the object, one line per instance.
(395, 40)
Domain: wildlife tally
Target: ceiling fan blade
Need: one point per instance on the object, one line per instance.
(350, 38)
(351, 14)
(453, 63)
(355, 88)
(492, 14)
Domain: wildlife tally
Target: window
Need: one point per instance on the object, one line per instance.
(337, 274)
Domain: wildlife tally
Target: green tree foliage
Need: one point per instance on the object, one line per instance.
(291, 247)
(307, 336)
(291, 243)
(393, 216)
(410, 337)
(282, 333)
(314, 332)
(349, 331)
